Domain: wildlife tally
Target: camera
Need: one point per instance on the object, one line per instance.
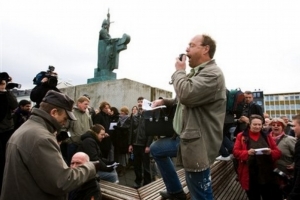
(52, 80)
(10, 86)
(4, 76)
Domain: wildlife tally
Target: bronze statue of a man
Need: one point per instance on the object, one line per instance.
(108, 53)
(104, 32)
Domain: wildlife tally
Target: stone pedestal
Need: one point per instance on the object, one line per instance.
(103, 75)
(120, 92)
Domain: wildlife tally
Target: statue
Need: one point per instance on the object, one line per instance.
(108, 53)
(104, 33)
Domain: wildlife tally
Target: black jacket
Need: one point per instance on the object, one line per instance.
(20, 116)
(38, 93)
(8, 103)
(121, 138)
(86, 191)
(90, 146)
(253, 109)
(137, 132)
(104, 119)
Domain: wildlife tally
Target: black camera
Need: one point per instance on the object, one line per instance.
(10, 86)
(52, 80)
(62, 135)
(4, 76)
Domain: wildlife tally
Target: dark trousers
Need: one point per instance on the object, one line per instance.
(141, 165)
(226, 147)
(265, 191)
(4, 137)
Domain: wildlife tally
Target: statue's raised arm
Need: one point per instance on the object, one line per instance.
(104, 32)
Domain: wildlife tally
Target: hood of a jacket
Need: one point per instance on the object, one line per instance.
(89, 134)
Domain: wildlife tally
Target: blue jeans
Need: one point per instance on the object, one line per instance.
(109, 176)
(199, 184)
(162, 150)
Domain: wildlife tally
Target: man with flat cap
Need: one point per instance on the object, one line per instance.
(34, 167)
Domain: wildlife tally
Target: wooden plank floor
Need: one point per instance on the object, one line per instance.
(224, 185)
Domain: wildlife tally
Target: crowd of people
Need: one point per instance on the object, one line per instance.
(60, 149)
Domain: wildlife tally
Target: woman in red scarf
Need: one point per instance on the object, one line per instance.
(257, 153)
(286, 144)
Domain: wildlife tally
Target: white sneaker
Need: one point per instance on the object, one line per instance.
(224, 158)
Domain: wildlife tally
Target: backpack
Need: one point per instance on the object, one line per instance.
(38, 78)
(234, 99)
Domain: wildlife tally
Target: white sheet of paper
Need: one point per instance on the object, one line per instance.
(260, 151)
(147, 105)
(112, 124)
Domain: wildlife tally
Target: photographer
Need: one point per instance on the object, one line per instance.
(48, 82)
(7, 105)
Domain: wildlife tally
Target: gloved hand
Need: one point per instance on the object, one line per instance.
(101, 166)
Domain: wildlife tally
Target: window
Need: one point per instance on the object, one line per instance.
(286, 98)
(267, 98)
(258, 94)
(292, 97)
(259, 103)
(287, 107)
(293, 106)
(281, 107)
(297, 97)
(276, 98)
(271, 98)
(254, 94)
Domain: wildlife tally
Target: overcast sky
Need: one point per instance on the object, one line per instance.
(258, 41)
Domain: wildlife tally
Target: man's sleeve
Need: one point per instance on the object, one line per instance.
(12, 101)
(51, 173)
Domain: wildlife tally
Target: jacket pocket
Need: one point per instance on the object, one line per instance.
(192, 152)
(190, 134)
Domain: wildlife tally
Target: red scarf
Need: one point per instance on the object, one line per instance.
(254, 136)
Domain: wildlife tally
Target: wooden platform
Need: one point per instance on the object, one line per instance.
(224, 185)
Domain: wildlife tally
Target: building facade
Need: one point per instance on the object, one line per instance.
(282, 104)
(258, 98)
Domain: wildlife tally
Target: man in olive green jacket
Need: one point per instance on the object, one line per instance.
(34, 167)
(199, 116)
